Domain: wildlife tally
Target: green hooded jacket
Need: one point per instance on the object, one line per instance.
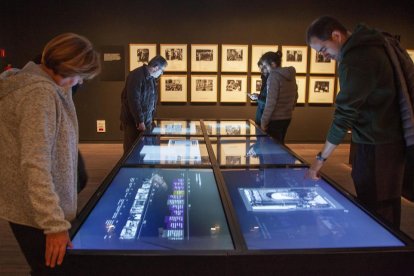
(367, 102)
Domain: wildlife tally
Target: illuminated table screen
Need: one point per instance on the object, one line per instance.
(278, 209)
(157, 209)
(169, 150)
(251, 150)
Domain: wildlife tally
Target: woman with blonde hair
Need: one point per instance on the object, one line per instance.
(39, 149)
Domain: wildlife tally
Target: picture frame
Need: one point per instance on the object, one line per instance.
(140, 54)
(321, 90)
(301, 82)
(234, 58)
(411, 53)
(233, 88)
(173, 88)
(204, 88)
(257, 53)
(204, 57)
(255, 85)
(176, 56)
(320, 65)
(296, 56)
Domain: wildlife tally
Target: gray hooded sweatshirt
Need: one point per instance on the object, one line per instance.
(282, 95)
(38, 150)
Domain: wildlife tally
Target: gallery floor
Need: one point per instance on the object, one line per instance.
(101, 158)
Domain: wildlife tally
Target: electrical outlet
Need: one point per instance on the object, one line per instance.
(100, 126)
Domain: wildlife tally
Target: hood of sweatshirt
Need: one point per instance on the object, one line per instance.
(31, 73)
(361, 37)
(287, 73)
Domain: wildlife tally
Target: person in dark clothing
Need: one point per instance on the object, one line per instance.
(367, 104)
(139, 99)
(261, 99)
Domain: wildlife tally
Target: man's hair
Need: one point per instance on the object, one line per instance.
(158, 61)
(323, 27)
(270, 57)
(71, 55)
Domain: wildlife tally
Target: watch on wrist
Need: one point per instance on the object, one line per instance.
(320, 158)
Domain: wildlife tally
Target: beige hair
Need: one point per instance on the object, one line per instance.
(71, 55)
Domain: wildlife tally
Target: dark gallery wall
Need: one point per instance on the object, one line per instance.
(27, 25)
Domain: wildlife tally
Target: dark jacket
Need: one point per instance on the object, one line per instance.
(139, 97)
(282, 94)
(367, 102)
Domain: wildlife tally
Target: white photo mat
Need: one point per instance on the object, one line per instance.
(301, 82)
(204, 57)
(234, 58)
(296, 56)
(233, 89)
(176, 56)
(257, 53)
(173, 88)
(140, 54)
(321, 90)
(411, 54)
(320, 65)
(203, 88)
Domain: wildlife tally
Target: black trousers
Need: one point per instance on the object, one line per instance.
(32, 242)
(277, 129)
(131, 134)
(377, 171)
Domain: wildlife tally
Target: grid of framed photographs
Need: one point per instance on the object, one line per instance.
(232, 80)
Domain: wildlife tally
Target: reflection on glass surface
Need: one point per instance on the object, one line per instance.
(157, 209)
(252, 150)
(171, 127)
(234, 128)
(279, 209)
(169, 150)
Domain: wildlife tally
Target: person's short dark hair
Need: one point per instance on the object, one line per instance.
(270, 57)
(323, 27)
(158, 61)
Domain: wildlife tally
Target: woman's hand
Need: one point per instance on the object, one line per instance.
(56, 244)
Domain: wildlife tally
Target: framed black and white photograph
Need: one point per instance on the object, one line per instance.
(255, 85)
(176, 56)
(411, 54)
(321, 90)
(234, 58)
(233, 89)
(173, 88)
(257, 53)
(301, 82)
(204, 58)
(296, 56)
(203, 88)
(140, 54)
(321, 65)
